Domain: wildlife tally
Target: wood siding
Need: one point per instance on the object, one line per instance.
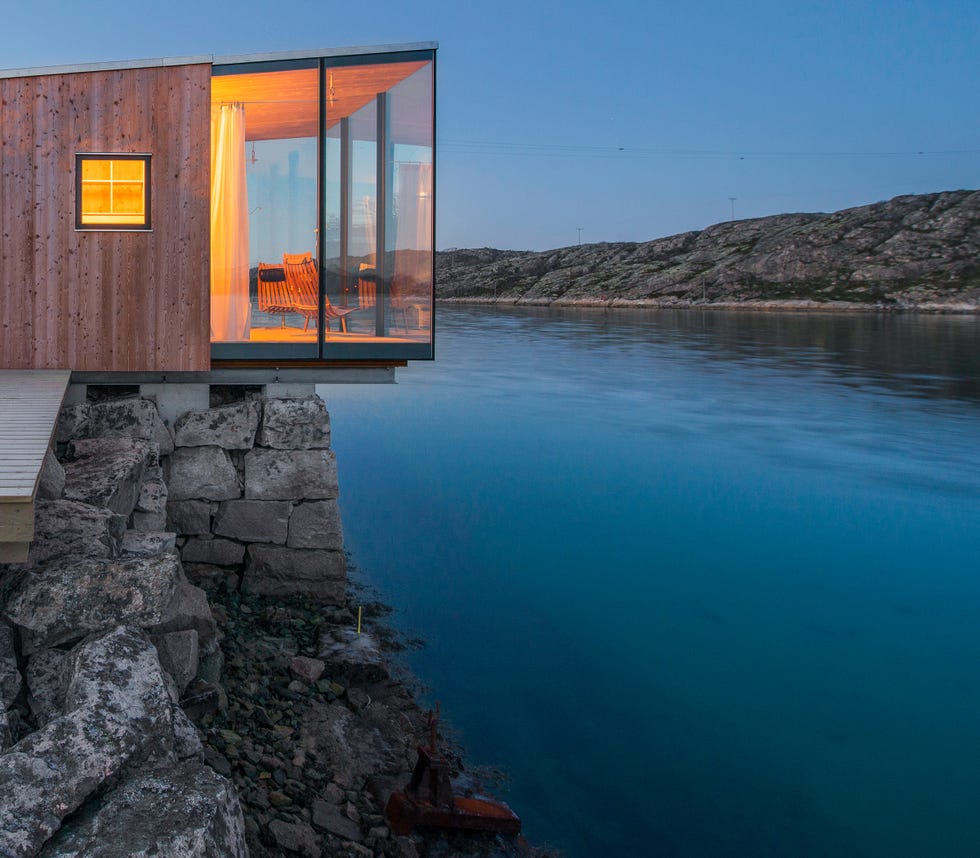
(105, 301)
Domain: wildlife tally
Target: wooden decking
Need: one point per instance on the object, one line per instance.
(29, 403)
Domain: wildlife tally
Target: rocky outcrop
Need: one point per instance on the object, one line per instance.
(917, 252)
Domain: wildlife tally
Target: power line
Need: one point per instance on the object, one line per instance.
(559, 150)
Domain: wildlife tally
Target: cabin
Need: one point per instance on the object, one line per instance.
(172, 226)
(205, 218)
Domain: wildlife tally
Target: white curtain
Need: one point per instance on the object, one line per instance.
(414, 224)
(231, 309)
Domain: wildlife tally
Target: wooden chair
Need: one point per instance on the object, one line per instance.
(304, 290)
(273, 293)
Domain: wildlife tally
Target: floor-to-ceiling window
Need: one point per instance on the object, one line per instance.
(322, 208)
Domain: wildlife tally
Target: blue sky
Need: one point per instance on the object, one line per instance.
(628, 120)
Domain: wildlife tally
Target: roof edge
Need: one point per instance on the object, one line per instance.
(210, 59)
(359, 50)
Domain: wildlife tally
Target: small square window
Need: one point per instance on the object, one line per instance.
(112, 192)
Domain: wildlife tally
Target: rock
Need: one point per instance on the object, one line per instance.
(187, 811)
(253, 520)
(108, 472)
(68, 599)
(126, 418)
(72, 422)
(189, 517)
(296, 837)
(117, 709)
(316, 524)
(217, 552)
(231, 427)
(307, 669)
(188, 609)
(273, 570)
(290, 474)
(328, 817)
(202, 472)
(46, 684)
(68, 528)
(6, 731)
(10, 678)
(355, 656)
(151, 506)
(179, 655)
(295, 424)
(909, 252)
(51, 481)
(276, 652)
(144, 543)
(202, 698)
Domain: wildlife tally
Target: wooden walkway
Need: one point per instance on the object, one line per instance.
(29, 404)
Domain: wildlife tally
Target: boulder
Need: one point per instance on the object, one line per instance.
(187, 811)
(295, 424)
(72, 423)
(70, 598)
(328, 817)
(203, 472)
(179, 655)
(117, 711)
(188, 609)
(70, 528)
(218, 552)
(273, 571)
(127, 418)
(10, 678)
(290, 474)
(231, 427)
(6, 731)
(146, 543)
(316, 524)
(189, 517)
(46, 684)
(354, 656)
(296, 838)
(253, 520)
(51, 481)
(108, 472)
(151, 505)
(306, 669)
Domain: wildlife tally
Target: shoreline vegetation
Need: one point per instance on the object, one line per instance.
(917, 253)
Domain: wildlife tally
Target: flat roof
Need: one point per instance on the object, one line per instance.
(210, 59)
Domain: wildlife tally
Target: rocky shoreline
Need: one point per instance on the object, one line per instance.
(213, 707)
(916, 253)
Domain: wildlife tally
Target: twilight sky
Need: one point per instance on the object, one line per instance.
(627, 120)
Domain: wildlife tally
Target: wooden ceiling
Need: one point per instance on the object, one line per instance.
(280, 105)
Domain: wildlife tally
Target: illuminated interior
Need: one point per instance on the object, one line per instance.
(113, 191)
(283, 191)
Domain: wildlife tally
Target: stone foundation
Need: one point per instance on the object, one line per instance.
(105, 645)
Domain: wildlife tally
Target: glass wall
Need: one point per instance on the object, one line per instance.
(322, 208)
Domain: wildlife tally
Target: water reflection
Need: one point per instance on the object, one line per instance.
(726, 560)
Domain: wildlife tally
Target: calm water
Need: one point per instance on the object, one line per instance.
(703, 584)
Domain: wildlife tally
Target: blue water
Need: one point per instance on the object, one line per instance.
(702, 584)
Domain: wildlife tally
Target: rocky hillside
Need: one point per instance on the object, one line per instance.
(917, 252)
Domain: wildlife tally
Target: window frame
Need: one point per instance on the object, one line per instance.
(146, 225)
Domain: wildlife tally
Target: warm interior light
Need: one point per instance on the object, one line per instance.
(113, 192)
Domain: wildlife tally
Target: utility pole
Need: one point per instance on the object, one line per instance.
(732, 200)
(580, 228)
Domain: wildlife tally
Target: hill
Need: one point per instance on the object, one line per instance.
(918, 252)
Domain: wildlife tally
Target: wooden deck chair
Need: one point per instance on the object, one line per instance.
(273, 293)
(304, 289)
(367, 286)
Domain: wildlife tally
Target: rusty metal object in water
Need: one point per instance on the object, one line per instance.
(428, 799)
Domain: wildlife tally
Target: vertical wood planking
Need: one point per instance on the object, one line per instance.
(109, 301)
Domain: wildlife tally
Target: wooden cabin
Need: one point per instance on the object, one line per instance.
(157, 217)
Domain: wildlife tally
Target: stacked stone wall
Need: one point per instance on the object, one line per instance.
(252, 488)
